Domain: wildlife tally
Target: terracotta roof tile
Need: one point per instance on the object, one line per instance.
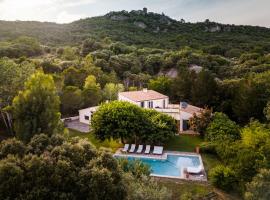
(192, 109)
(143, 95)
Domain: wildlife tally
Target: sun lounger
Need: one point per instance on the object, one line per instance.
(158, 150)
(132, 148)
(125, 149)
(147, 149)
(140, 148)
(194, 170)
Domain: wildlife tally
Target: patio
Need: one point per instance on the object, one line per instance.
(77, 125)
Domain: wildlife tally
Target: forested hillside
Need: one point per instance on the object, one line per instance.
(50, 71)
(142, 28)
(205, 62)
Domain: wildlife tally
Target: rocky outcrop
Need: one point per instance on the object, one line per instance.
(140, 25)
(118, 17)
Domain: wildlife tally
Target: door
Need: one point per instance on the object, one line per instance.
(185, 125)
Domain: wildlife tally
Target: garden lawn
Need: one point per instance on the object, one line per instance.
(185, 143)
(183, 190)
(110, 144)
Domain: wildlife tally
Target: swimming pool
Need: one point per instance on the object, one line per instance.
(171, 167)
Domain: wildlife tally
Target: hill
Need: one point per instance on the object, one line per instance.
(140, 28)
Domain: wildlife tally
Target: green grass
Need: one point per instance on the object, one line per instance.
(178, 189)
(186, 143)
(210, 161)
(110, 144)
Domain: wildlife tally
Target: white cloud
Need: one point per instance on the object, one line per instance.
(41, 10)
(65, 17)
(254, 12)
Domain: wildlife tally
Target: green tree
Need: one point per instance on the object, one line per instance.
(111, 90)
(36, 108)
(222, 128)
(258, 188)
(74, 77)
(119, 120)
(204, 89)
(69, 53)
(267, 111)
(71, 100)
(182, 85)
(163, 127)
(223, 177)
(61, 170)
(199, 123)
(91, 92)
(12, 78)
(161, 84)
(128, 122)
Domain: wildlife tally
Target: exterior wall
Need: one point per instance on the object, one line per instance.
(184, 116)
(157, 103)
(86, 112)
(83, 113)
(170, 111)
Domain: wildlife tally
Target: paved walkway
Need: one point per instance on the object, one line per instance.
(78, 126)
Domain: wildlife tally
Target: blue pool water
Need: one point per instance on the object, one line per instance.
(172, 166)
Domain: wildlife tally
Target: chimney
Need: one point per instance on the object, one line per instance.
(145, 90)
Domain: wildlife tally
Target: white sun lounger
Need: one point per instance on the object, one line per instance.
(125, 149)
(195, 170)
(147, 149)
(132, 148)
(140, 148)
(158, 150)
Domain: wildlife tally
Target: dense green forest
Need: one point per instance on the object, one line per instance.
(224, 68)
(133, 48)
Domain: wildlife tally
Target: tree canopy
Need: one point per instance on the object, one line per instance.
(126, 121)
(36, 108)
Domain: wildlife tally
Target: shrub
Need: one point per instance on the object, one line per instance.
(126, 121)
(222, 177)
(222, 128)
(208, 147)
(13, 147)
(136, 168)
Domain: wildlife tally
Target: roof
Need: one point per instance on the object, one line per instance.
(90, 109)
(143, 95)
(191, 109)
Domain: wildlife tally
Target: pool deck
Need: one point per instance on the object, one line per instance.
(202, 177)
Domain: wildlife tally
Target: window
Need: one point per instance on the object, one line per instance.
(86, 117)
(150, 104)
(142, 104)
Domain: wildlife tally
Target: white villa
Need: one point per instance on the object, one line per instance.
(151, 99)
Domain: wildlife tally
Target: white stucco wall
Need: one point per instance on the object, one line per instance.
(86, 112)
(184, 116)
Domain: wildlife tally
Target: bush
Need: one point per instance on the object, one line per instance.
(136, 168)
(222, 177)
(128, 122)
(259, 187)
(12, 147)
(208, 147)
(222, 128)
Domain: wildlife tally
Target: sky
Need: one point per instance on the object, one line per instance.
(246, 12)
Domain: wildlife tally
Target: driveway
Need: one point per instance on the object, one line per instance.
(78, 126)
